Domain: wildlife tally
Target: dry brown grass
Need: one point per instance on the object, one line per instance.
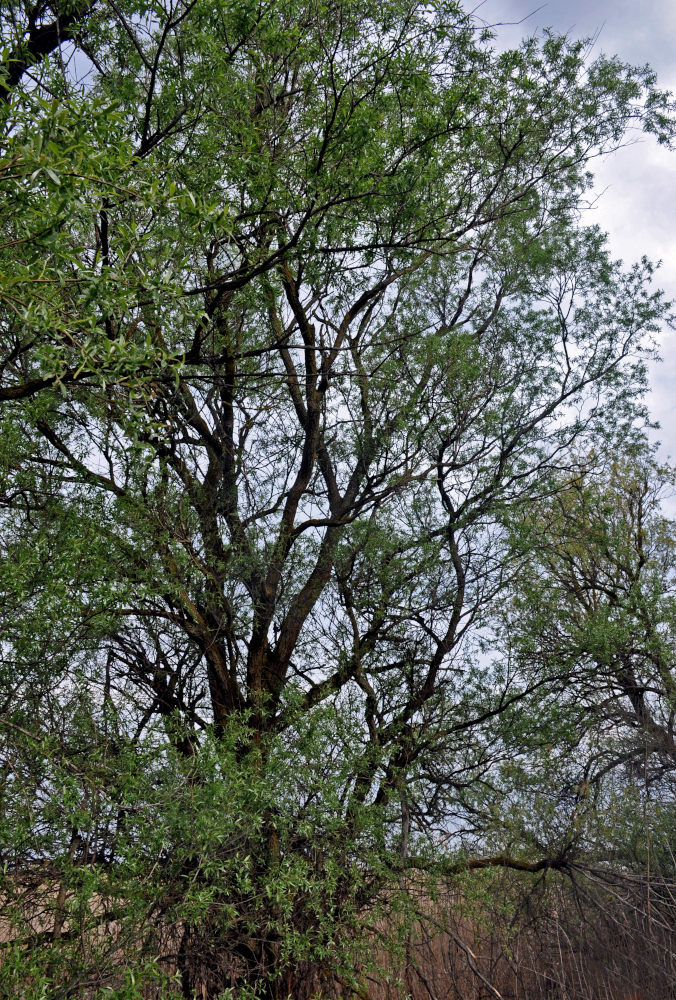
(561, 942)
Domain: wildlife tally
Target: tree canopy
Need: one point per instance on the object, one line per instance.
(327, 513)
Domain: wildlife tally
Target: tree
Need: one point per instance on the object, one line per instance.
(599, 595)
(587, 777)
(310, 337)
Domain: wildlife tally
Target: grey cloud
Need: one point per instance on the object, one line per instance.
(639, 33)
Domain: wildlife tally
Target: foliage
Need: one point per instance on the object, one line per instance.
(296, 376)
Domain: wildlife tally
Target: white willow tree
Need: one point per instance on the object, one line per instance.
(297, 317)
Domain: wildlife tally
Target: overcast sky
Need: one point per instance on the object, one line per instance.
(638, 204)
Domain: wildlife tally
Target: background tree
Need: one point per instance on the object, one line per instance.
(310, 337)
(598, 594)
